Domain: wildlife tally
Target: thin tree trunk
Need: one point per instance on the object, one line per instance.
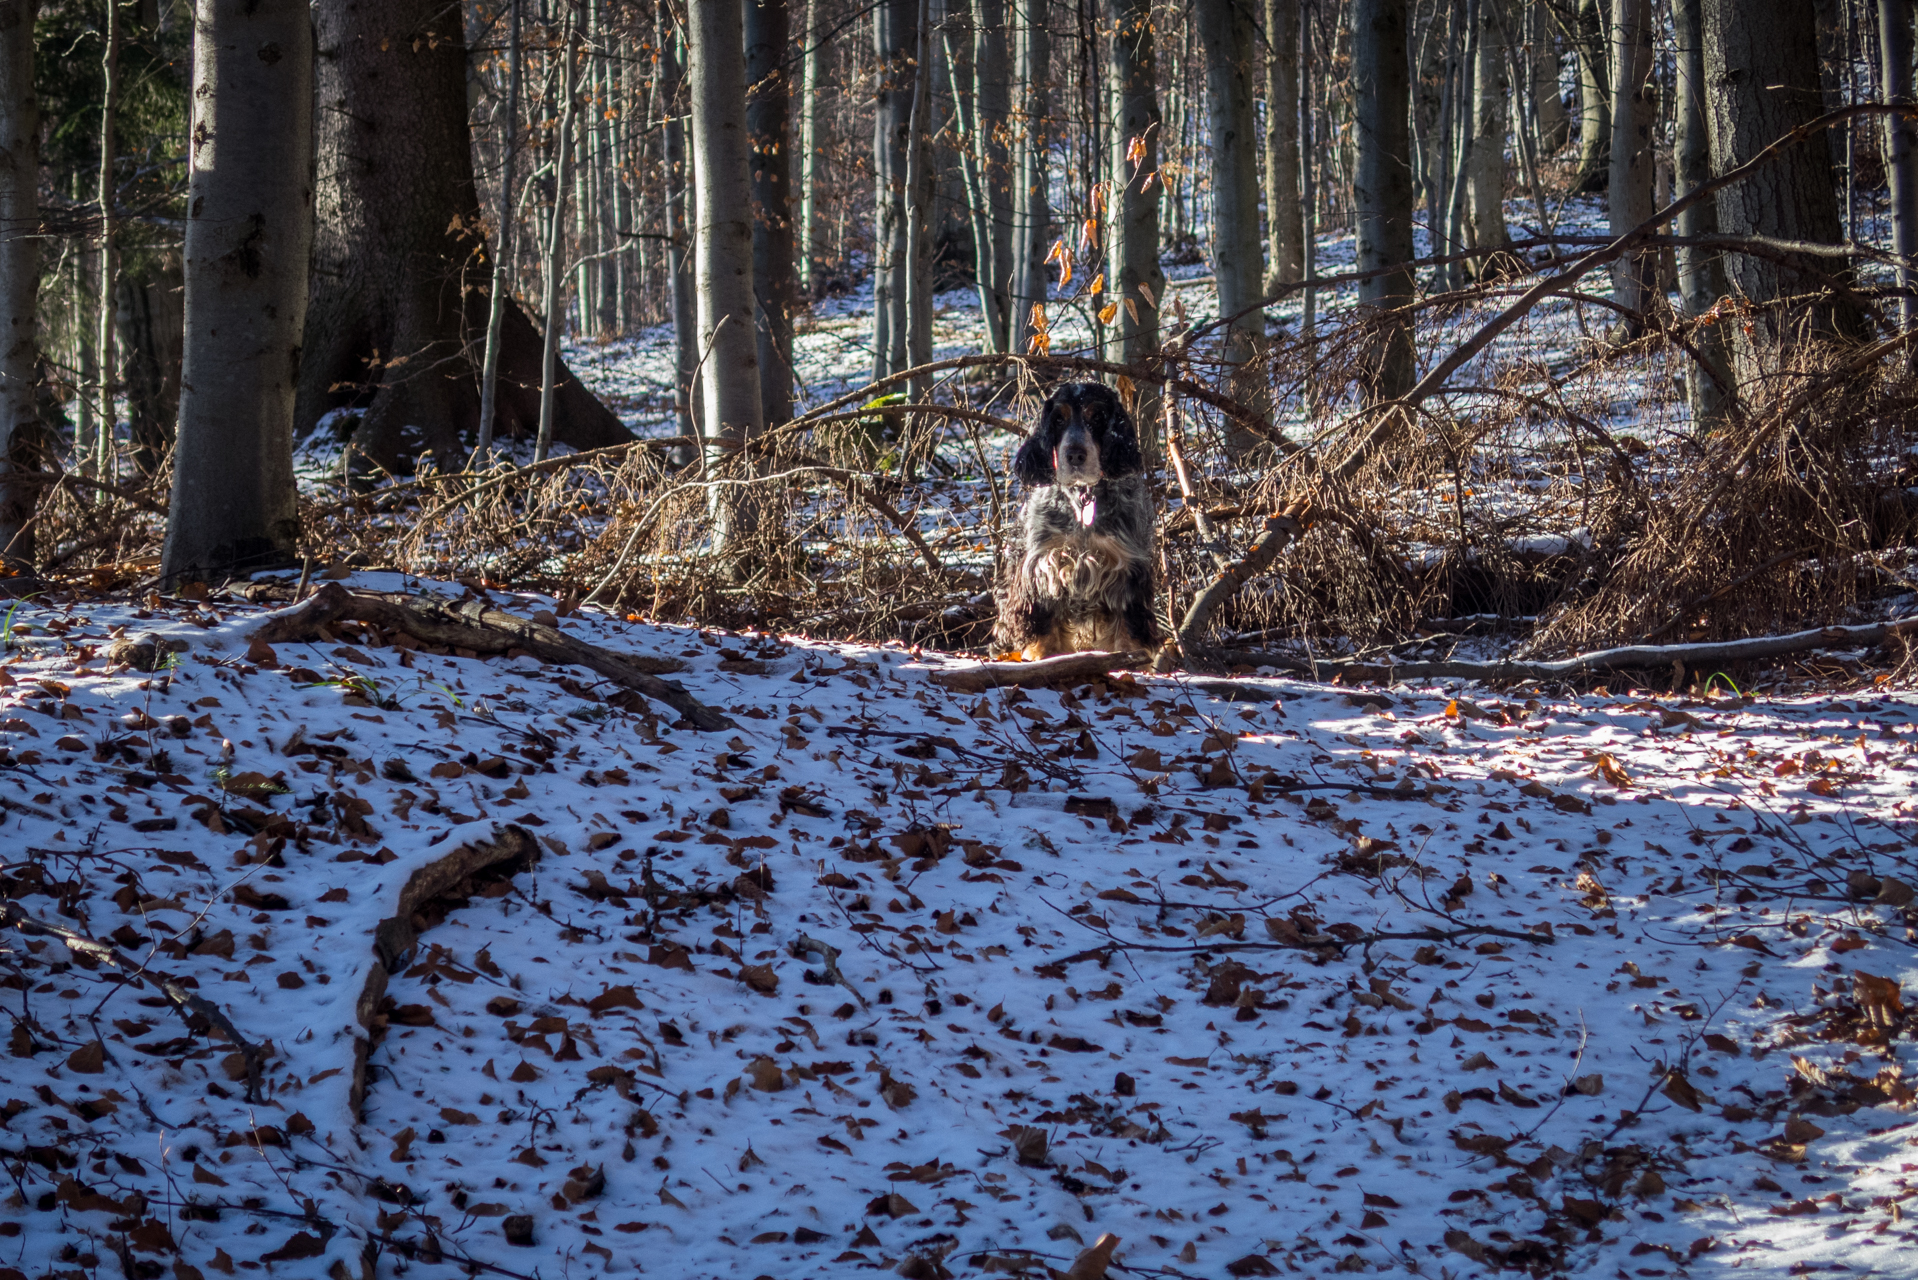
(992, 89)
(768, 124)
(102, 460)
(1227, 35)
(1032, 209)
(1135, 284)
(1552, 121)
(1382, 189)
(606, 208)
(1894, 40)
(556, 238)
(681, 218)
(809, 152)
(1629, 195)
(958, 49)
(1485, 185)
(1287, 225)
(1594, 97)
(20, 428)
(1465, 112)
(895, 38)
(723, 259)
(920, 183)
(249, 239)
(503, 236)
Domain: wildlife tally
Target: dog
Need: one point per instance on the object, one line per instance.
(1084, 580)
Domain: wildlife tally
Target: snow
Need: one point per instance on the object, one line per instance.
(1030, 895)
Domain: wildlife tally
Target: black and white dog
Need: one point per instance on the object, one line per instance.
(1085, 577)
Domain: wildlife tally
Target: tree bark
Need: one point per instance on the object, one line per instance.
(921, 182)
(1227, 35)
(1135, 284)
(1285, 218)
(1761, 76)
(959, 48)
(992, 89)
(20, 429)
(1701, 272)
(1032, 210)
(552, 273)
(895, 38)
(394, 320)
(101, 462)
(502, 235)
(722, 257)
(681, 218)
(150, 319)
(1894, 39)
(1548, 108)
(1629, 192)
(1491, 123)
(1594, 97)
(768, 123)
(809, 151)
(1382, 187)
(249, 241)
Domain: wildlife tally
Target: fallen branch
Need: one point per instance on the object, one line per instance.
(806, 944)
(184, 1001)
(1026, 675)
(1278, 533)
(471, 624)
(1638, 655)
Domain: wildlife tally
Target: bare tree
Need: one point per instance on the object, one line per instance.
(1135, 284)
(895, 41)
(1591, 33)
(1894, 39)
(1701, 274)
(681, 218)
(1285, 216)
(19, 284)
(101, 460)
(249, 241)
(768, 124)
(1227, 35)
(992, 92)
(502, 236)
(1629, 193)
(1032, 211)
(1491, 123)
(1382, 185)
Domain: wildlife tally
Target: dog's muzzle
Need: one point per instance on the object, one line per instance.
(1075, 460)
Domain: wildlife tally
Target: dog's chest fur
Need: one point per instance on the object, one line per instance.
(1081, 544)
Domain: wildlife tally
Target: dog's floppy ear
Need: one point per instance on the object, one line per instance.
(1033, 463)
(1119, 448)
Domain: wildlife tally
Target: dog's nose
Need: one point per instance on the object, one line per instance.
(1075, 456)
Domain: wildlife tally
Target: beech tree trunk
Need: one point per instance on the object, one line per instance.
(1135, 284)
(1285, 217)
(1032, 210)
(1548, 108)
(1227, 35)
(807, 234)
(768, 123)
(1594, 97)
(1701, 272)
(681, 219)
(1491, 123)
(20, 431)
(895, 41)
(249, 241)
(101, 463)
(1382, 185)
(1894, 39)
(1629, 192)
(399, 305)
(1761, 77)
(723, 244)
(992, 110)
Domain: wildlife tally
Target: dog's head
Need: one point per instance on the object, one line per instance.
(1084, 435)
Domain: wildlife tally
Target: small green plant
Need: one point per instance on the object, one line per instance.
(1729, 684)
(9, 623)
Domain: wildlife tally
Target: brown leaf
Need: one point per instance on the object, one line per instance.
(621, 997)
(760, 977)
(90, 1059)
(1679, 1089)
(767, 1077)
(299, 1245)
(1092, 1264)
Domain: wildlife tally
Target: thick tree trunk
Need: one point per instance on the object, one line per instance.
(992, 86)
(681, 218)
(1594, 97)
(20, 430)
(1894, 38)
(1286, 221)
(723, 244)
(1227, 35)
(1382, 186)
(1701, 272)
(1629, 193)
(895, 40)
(1032, 210)
(1761, 76)
(1548, 107)
(1134, 281)
(768, 123)
(1485, 181)
(395, 319)
(249, 240)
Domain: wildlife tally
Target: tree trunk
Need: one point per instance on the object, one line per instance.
(249, 240)
(1134, 281)
(555, 247)
(808, 234)
(20, 429)
(1032, 210)
(1761, 77)
(921, 182)
(723, 244)
(768, 123)
(102, 461)
(1228, 38)
(1548, 108)
(1382, 189)
(1894, 39)
(1485, 183)
(1629, 194)
(1286, 221)
(1594, 97)
(681, 218)
(895, 39)
(393, 320)
(502, 235)
(150, 320)
(959, 46)
(992, 85)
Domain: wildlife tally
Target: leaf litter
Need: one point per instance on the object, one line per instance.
(1118, 976)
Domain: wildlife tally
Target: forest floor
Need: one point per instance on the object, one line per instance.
(891, 977)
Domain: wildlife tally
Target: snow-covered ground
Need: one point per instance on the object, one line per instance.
(1317, 980)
